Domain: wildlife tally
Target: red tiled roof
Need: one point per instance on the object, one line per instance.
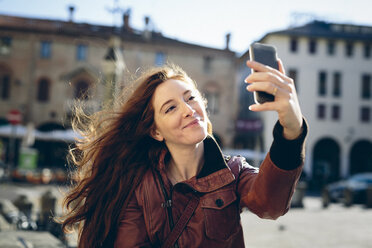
(22, 24)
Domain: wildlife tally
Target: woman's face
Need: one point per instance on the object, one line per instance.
(179, 114)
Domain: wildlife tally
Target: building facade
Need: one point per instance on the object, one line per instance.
(331, 65)
(46, 65)
(249, 125)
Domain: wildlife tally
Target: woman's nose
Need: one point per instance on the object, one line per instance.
(187, 110)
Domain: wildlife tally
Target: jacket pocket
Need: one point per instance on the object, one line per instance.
(221, 213)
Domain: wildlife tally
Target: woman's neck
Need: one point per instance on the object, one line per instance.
(185, 162)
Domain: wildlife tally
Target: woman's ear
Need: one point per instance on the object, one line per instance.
(157, 135)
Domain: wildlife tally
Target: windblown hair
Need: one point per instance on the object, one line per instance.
(115, 152)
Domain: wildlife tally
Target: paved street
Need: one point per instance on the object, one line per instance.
(311, 227)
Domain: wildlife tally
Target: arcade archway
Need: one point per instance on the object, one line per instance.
(326, 162)
(361, 157)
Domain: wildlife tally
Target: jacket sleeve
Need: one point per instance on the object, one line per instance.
(267, 192)
(132, 228)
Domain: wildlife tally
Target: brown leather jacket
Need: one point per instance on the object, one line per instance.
(216, 220)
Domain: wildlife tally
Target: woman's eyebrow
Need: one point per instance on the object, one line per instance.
(170, 100)
(186, 92)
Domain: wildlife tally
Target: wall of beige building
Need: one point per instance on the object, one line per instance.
(63, 70)
(28, 68)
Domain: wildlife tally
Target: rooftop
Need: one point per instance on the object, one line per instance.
(322, 29)
(74, 29)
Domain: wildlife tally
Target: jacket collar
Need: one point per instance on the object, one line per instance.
(214, 160)
(215, 172)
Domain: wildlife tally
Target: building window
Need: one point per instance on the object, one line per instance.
(82, 90)
(5, 44)
(5, 86)
(366, 86)
(213, 100)
(331, 47)
(312, 46)
(207, 64)
(349, 49)
(292, 73)
(81, 52)
(293, 45)
(337, 84)
(43, 90)
(367, 51)
(322, 87)
(336, 112)
(365, 114)
(159, 59)
(321, 111)
(46, 49)
(212, 94)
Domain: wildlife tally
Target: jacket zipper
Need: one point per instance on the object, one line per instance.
(168, 205)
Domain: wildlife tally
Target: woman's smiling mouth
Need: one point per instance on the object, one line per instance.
(194, 122)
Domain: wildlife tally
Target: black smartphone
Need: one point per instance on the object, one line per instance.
(264, 54)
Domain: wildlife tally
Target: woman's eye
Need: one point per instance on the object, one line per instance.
(191, 98)
(170, 109)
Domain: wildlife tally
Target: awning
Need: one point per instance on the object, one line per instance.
(21, 131)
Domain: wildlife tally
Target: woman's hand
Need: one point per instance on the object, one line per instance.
(275, 82)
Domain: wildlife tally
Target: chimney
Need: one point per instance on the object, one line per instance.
(147, 21)
(147, 32)
(71, 11)
(228, 36)
(126, 18)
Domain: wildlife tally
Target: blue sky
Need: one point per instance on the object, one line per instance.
(203, 22)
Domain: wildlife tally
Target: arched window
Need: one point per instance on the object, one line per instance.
(43, 90)
(82, 90)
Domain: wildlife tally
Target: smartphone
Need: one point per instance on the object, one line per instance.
(264, 54)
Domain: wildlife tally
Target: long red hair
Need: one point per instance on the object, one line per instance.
(115, 152)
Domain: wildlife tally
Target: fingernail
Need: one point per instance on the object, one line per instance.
(246, 80)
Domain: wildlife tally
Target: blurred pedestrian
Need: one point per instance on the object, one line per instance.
(150, 173)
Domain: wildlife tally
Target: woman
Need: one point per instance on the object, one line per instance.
(151, 174)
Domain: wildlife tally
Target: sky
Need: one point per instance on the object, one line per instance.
(202, 22)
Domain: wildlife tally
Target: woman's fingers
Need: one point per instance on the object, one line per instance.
(258, 67)
(268, 77)
(270, 88)
(267, 106)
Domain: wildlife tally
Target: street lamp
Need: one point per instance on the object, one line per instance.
(15, 118)
(113, 66)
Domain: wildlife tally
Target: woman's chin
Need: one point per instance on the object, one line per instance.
(197, 138)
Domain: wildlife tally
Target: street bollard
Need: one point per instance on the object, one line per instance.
(298, 195)
(348, 197)
(46, 222)
(48, 205)
(369, 197)
(24, 205)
